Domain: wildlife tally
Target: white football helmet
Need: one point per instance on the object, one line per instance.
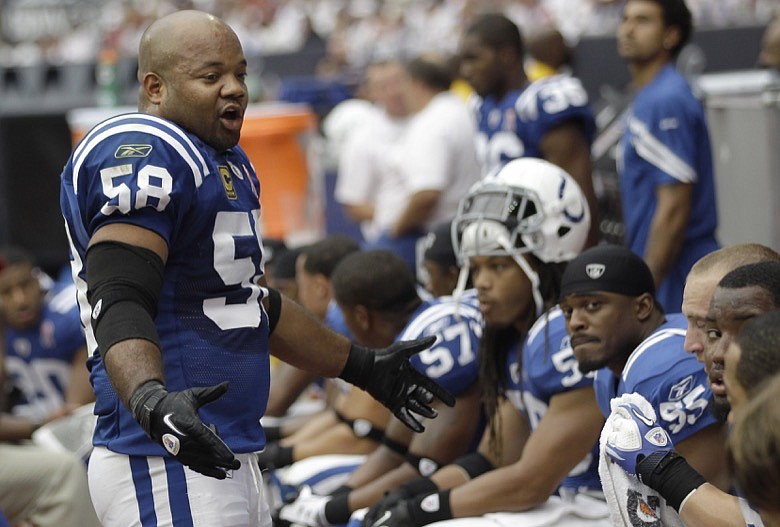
(527, 206)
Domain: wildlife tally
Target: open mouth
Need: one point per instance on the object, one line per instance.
(232, 118)
(716, 383)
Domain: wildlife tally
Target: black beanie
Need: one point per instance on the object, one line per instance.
(438, 246)
(610, 269)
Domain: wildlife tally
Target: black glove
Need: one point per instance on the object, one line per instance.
(389, 377)
(396, 516)
(405, 491)
(171, 419)
(275, 456)
(416, 512)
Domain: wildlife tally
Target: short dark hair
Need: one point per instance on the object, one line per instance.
(435, 73)
(378, 279)
(497, 31)
(676, 13)
(765, 275)
(759, 342)
(12, 255)
(323, 256)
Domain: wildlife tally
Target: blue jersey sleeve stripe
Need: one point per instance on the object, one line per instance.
(543, 321)
(652, 150)
(435, 313)
(151, 130)
(651, 341)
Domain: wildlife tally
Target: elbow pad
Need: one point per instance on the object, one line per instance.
(123, 288)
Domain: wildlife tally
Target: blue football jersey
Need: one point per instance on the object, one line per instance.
(39, 359)
(457, 325)
(666, 142)
(672, 380)
(549, 368)
(146, 171)
(515, 125)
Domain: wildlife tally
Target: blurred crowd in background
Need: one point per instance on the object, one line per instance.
(354, 31)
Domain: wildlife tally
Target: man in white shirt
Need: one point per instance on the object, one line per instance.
(363, 160)
(433, 164)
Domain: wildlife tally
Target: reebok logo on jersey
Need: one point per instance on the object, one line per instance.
(125, 151)
(681, 389)
(595, 270)
(227, 182)
(96, 310)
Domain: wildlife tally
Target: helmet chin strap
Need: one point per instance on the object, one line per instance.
(532, 275)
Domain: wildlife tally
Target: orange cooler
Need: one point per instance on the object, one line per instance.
(273, 137)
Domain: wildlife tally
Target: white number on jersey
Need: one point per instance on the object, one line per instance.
(556, 95)
(492, 151)
(565, 363)
(232, 270)
(440, 357)
(685, 411)
(153, 182)
(38, 382)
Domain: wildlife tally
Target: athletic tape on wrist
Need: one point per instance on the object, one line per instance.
(670, 474)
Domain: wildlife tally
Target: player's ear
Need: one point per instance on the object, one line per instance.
(643, 306)
(153, 87)
(671, 37)
(362, 317)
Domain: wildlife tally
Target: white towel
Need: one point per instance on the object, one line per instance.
(631, 502)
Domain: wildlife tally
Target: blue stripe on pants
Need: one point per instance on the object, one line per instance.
(143, 490)
(177, 493)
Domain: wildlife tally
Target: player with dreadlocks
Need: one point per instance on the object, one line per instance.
(514, 232)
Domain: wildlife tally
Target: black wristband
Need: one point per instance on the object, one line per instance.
(343, 489)
(274, 309)
(431, 508)
(475, 464)
(272, 433)
(418, 486)
(142, 402)
(360, 363)
(275, 456)
(670, 474)
(337, 509)
(424, 465)
(395, 446)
